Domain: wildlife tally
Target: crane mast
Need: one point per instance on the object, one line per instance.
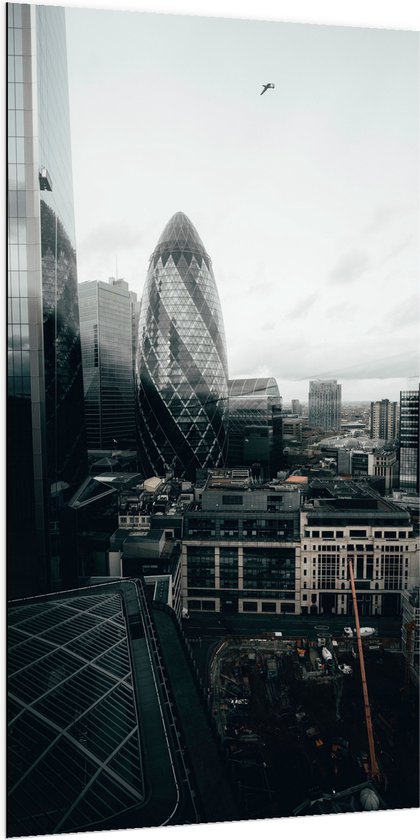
(374, 767)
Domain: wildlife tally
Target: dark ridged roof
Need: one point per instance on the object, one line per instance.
(180, 235)
(263, 386)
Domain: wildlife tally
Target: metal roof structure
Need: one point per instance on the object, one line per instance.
(85, 713)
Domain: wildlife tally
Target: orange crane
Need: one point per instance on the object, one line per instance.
(374, 767)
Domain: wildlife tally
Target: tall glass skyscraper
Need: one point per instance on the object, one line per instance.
(107, 318)
(46, 444)
(409, 440)
(181, 363)
(325, 404)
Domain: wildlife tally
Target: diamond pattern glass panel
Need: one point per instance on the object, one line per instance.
(182, 363)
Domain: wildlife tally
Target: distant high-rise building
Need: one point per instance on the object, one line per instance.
(181, 363)
(325, 404)
(46, 444)
(296, 408)
(384, 419)
(255, 425)
(409, 441)
(107, 319)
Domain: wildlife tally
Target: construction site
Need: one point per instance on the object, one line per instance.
(301, 732)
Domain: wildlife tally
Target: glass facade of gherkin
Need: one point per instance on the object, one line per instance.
(181, 361)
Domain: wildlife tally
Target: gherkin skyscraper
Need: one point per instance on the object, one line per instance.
(181, 358)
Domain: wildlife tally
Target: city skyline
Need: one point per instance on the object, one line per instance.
(317, 178)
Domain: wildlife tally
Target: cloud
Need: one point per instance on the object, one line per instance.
(303, 306)
(269, 325)
(404, 314)
(341, 311)
(398, 249)
(110, 238)
(383, 215)
(350, 267)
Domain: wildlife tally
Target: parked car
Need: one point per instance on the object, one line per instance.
(364, 632)
(345, 669)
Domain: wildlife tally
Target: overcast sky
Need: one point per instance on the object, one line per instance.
(306, 198)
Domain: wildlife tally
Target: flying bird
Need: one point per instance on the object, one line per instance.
(265, 87)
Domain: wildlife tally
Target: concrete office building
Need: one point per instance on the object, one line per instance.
(255, 426)
(325, 404)
(384, 419)
(241, 548)
(46, 444)
(343, 520)
(181, 362)
(409, 441)
(107, 318)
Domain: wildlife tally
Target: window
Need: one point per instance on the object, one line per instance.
(249, 606)
(200, 568)
(339, 534)
(232, 500)
(194, 605)
(208, 605)
(315, 533)
(390, 535)
(328, 535)
(268, 607)
(357, 533)
(229, 568)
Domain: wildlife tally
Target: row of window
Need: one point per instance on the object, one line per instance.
(209, 605)
(330, 535)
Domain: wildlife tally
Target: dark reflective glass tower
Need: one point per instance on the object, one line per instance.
(181, 362)
(409, 440)
(46, 447)
(255, 425)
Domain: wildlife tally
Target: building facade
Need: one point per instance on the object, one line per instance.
(409, 441)
(241, 549)
(384, 419)
(325, 404)
(181, 367)
(46, 442)
(296, 408)
(255, 425)
(344, 521)
(107, 318)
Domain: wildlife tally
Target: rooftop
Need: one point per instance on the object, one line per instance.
(87, 703)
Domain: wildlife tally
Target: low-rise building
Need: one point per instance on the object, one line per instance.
(346, 520)
(241, 547)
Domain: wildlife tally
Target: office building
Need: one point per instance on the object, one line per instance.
(255, 426)
(296, 408)
(384, 419)
(181, 364)
(107, 319)
(325, 404)
(101, 699)
(409, 441)
(241, 548)
(46, 443)
(346, 520)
